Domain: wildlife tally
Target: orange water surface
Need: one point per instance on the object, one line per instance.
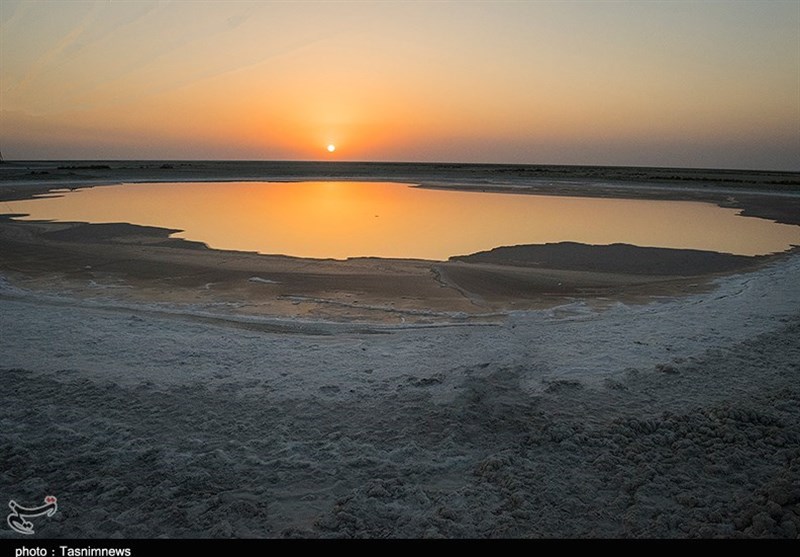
(383, 219)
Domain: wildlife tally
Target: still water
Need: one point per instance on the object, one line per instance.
(353, 219)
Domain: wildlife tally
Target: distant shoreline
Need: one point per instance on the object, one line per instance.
(431, 164)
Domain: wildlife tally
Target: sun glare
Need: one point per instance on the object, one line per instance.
(331, 148)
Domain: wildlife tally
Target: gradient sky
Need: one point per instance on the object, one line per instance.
(701, 84)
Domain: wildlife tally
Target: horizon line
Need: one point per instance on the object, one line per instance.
(422, 163)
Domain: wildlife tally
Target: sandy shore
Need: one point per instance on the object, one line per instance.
(160, 388)
(675, 418)
(140, 264)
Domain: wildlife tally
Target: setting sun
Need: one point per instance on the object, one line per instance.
(331, 148)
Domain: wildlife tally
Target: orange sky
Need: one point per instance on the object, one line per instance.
(641, 83)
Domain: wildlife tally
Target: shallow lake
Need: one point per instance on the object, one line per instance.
(383, 219)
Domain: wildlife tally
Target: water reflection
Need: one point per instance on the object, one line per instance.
(351, 219)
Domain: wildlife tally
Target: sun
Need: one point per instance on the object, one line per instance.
(331, 148)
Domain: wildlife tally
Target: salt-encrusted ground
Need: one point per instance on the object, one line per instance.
(676, 418)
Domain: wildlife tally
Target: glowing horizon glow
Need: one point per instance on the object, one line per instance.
(657, 83)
